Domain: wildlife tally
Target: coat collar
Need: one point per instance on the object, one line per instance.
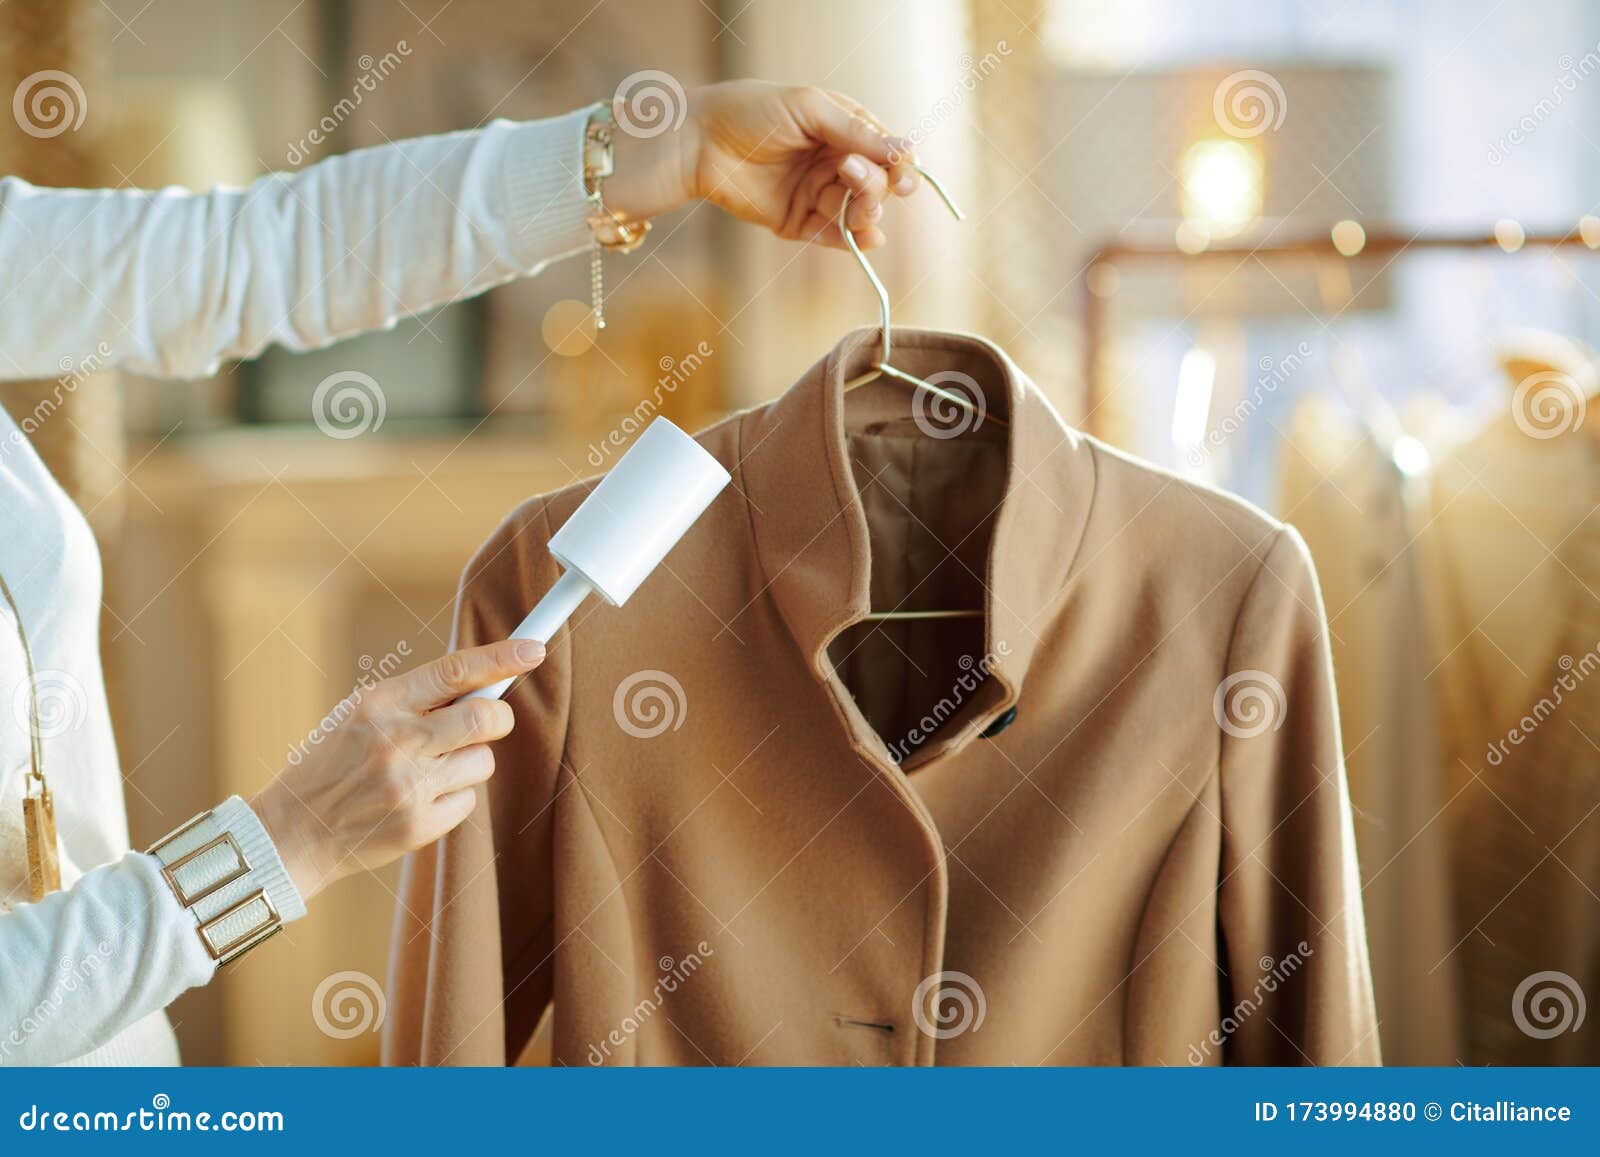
(811, 529)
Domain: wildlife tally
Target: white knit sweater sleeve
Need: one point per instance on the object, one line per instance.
(83, 964)
(172, 282)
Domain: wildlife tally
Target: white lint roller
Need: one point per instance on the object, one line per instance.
(626, 526)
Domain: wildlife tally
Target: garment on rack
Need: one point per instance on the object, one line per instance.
(1499, 506)
(1359, 514)
(1525, 817)
(737, 824)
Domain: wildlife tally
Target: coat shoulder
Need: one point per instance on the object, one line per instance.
(1153, 521)
(517, 545)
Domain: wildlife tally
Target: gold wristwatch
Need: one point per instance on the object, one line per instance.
(611, 232)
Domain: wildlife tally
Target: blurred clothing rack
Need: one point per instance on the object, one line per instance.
(1381, 246)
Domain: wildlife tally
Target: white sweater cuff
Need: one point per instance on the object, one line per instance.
(266, 866)
(540, 187)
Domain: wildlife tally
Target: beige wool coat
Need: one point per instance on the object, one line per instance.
(1361, 518)
(738, 823)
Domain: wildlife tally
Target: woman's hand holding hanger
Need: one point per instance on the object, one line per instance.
(401, 762)
(779, 156)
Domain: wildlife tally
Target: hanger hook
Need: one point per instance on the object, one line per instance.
(866, 266)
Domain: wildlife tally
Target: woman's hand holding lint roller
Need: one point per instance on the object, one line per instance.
(398, 769)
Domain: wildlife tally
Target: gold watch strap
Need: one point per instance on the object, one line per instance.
(612, 232)
(599, 160)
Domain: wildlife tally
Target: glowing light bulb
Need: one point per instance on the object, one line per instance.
(1221, 184)
(1349, 238)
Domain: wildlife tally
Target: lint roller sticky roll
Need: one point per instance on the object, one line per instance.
(617, 536)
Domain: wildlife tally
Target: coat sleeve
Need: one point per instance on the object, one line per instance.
(1297, 987)
(471, 960)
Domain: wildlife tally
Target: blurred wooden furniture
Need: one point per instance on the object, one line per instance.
(260, 575)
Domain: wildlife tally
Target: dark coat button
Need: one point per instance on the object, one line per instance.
(1005, 719)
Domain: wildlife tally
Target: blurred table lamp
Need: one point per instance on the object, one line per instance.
(1183, 159)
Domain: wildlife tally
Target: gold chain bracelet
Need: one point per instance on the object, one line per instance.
(610, 231)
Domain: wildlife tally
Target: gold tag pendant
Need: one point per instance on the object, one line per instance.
(44, 861)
